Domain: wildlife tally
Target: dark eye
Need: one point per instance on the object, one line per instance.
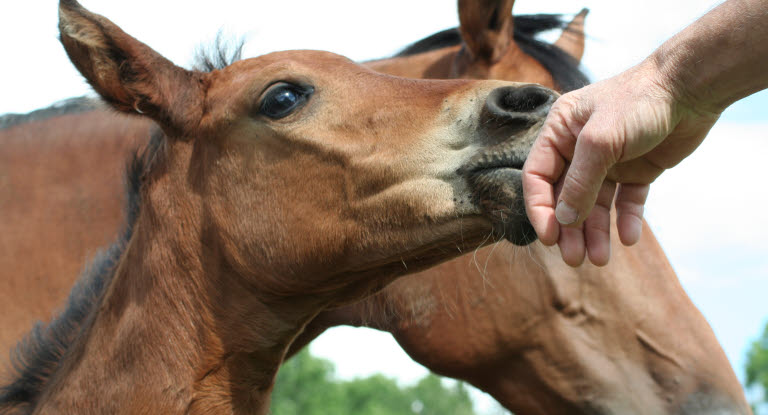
(283, 98)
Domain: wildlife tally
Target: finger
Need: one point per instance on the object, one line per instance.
(630, 204)
(543, 167)
(597, 226)
(640, 170)
(572, 247)
(595, 152)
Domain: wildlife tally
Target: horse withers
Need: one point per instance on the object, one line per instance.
(231, 250)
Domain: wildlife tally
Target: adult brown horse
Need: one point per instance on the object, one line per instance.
(530, 334)
(230, 251)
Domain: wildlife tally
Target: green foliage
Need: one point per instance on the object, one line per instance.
(757, 362)
(757, 365)
(438, 400)
(306, 386)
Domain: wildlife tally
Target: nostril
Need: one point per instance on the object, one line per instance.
(525, 99)
(511, 109)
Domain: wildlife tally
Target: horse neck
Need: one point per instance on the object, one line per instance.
(535, 273)
(173, 333)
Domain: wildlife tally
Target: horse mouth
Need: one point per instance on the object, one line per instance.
(495, 177)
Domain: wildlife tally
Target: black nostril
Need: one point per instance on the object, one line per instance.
(511, 109)
(527, 99)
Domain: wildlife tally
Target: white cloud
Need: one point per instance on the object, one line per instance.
(360, 352)
(716, 197)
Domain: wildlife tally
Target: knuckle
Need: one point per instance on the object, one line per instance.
(568, 100)
(565, 108)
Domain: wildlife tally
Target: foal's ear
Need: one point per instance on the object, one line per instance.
(128, 74)
(572, 39)
(487, 27)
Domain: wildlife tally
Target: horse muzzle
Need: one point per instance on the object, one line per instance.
(509, 123)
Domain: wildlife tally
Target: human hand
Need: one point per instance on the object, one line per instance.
(607, 141)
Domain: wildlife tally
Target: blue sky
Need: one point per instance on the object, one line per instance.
(753, 109)
(707, 213)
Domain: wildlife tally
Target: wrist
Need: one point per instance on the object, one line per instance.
(687, 86)
(718, 59)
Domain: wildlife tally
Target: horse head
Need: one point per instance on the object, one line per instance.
(492, 43)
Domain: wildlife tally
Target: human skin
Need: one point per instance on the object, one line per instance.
(602, 145)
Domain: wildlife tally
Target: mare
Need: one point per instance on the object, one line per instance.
(539, 336)
(229, 251)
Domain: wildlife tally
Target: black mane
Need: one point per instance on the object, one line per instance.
(443, 39)
(564, 68)
(38, 355)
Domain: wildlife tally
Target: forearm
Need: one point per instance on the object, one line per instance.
(718, 59)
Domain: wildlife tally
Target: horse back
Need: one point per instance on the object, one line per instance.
(59, 195)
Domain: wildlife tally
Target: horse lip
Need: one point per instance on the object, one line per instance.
(494, 175)
(497, 191)
(484, 169)
(492, 160)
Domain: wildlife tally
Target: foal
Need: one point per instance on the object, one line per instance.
(279, 186)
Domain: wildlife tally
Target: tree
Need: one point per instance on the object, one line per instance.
(306, 386)
(757, 366)
(436, 399)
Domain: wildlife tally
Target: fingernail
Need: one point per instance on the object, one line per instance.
(565, 214)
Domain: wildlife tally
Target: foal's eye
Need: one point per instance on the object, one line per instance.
(283, 98)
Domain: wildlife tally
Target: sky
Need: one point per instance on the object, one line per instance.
(707, 212)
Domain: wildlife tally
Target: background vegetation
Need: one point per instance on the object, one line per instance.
(306, 386)
(757, 372)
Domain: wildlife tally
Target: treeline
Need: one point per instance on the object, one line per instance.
(757, 371)
(306, 386)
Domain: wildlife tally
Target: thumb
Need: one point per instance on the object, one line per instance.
(596, 151)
